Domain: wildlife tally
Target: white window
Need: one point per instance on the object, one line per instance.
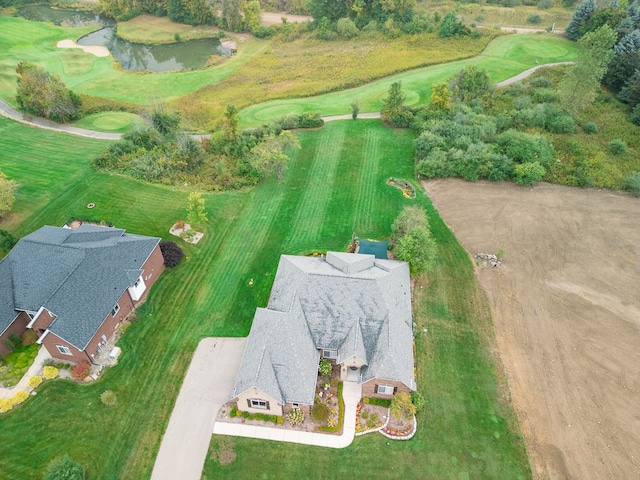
(115, 310)
(137, 282)
(64, 349)
(257, 403)
(295, 404)
(384, 389)
(330, 353)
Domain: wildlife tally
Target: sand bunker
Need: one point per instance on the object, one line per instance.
(92, 49)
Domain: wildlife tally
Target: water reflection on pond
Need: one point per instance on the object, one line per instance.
(135, 57)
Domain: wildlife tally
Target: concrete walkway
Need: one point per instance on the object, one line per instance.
(34, 369)
(351, 393)
(205, 389)
(8, 111)
(527, 73)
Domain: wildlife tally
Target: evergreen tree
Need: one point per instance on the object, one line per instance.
(580, 16)
(629, 43)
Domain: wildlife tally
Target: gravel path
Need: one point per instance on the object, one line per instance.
(7, 111)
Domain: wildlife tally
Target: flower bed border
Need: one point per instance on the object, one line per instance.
(407, 436)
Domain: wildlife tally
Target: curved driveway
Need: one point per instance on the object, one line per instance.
(205, 389)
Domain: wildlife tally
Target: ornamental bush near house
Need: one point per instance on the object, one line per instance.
(295, 417)
(34, 382)
(320, 412)
(49, 372)
(418, 400)
(402, 407)
(171, 253)
(80, 371)
(324, 368)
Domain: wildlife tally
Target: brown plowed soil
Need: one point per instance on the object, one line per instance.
(566, 308)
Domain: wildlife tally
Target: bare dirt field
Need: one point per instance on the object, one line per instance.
(566, 309)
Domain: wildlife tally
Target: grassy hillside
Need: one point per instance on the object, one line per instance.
(504, 57)
(334, 186)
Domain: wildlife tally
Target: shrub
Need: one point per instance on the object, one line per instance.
(245, 414)
(617, 146)
(632, 184)
(561, 124)
(545, 4)
(590, 128)
(324, 368)
(34, 382)
(381, 402)
(524, 148)
(346, 28)
(5, 405)
(279, 420)
(64, 468)
(528, 173)
(418, 400)
(295, 417)
(233, 412)
(19, 397)
(535, 19)
(452, 27)
(540, 82)
(49, 372)
(402, 407)
(80, 371)
(320, 412)
(109, 398)
(171, 253)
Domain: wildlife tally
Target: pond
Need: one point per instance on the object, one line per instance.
(64, 18)
(136, 57)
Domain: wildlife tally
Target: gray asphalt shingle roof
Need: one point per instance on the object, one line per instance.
(78, 275)
(353, 303)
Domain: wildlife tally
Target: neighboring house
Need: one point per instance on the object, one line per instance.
(350, 308)
(75, 287)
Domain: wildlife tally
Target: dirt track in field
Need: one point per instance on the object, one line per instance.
(566, 309)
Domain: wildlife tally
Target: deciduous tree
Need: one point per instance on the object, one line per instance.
(581, 82)
(196, 212)
(43, 94)
(7, 194)
(271, 156)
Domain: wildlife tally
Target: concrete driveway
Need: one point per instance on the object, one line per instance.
(205, 389)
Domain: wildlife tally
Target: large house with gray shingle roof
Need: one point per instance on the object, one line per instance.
(75, 287)
(353, 309)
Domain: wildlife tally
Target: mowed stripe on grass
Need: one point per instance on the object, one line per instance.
(310, 214)
(366, 199)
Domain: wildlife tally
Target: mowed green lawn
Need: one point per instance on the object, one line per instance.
(335, 186)
(504, 57)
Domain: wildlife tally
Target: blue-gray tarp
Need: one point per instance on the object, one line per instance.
(379, 249)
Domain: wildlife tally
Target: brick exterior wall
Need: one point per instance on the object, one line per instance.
(77, 356)
(43, 320)
(18, 326)
(369, 388)
(151, 270)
